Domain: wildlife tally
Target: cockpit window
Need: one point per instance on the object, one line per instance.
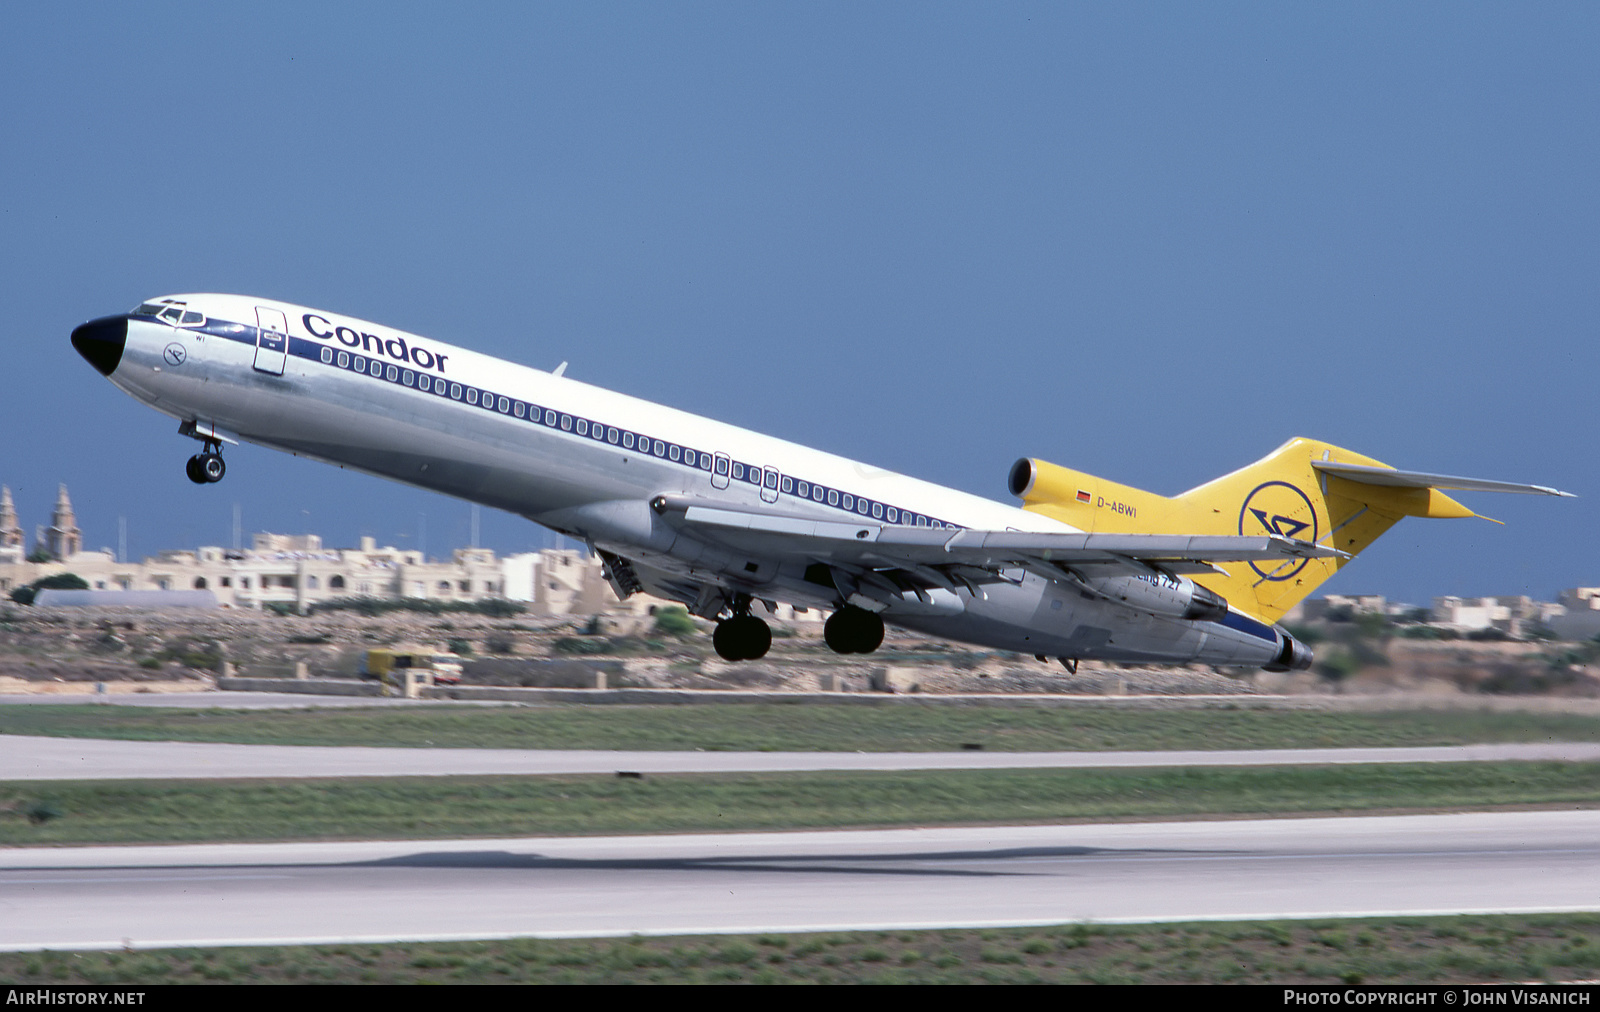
(158, 307)
(174, 312)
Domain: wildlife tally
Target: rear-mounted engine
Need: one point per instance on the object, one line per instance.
(1292, 655)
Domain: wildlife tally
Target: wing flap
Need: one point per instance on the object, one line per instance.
(871, 543)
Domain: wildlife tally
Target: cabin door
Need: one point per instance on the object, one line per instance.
(272, 340)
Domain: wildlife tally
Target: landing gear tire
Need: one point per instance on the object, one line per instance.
(742, 638)
(853, 631)
(205, 468)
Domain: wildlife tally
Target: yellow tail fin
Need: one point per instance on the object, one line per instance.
(1283, 493)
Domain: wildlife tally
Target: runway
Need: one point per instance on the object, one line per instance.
(147, 897)
(41, 758)
(214, 700)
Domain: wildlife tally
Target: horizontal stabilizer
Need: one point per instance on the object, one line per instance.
(1391, 478)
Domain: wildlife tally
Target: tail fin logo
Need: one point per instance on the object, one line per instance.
(1277, 507)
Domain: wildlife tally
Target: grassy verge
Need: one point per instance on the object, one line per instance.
(1389, 950)
(427, 807)
(798, 728)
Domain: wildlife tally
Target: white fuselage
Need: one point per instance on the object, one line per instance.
(587, 462)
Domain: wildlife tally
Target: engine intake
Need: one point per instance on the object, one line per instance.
(1023, 475)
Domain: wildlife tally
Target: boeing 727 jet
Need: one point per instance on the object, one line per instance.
(722, 519)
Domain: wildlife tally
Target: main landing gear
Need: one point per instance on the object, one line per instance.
(746, 638)
(853, 631)
(742, 638)
(206, 468)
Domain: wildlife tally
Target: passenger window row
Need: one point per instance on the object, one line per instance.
(750, 474)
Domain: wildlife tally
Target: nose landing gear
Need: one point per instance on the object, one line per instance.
(206, 468)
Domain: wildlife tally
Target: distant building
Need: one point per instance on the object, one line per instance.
(1465, 614)
(13, 542)
(1314, 609)
(63, 539)
(1579, 618)
(125, 599)
(1516, 615)
(297, 572)
(281, 570)
(558, 582)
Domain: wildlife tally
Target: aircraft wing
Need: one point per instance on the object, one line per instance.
(877, 545)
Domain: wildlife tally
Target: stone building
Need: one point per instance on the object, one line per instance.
(63, 539)
(1516, 615)
(13, 542)
(1316, 609)
(559, 582)
(296, 571)
(1579, 618)
(282, 571)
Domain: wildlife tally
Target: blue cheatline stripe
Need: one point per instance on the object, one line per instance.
(228, 331)
(1245, 624)
(579, 427)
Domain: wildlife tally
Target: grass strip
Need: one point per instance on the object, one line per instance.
(1422, 950)
(432, 807)
(808, 728)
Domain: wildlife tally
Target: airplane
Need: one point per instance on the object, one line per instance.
(721, 518)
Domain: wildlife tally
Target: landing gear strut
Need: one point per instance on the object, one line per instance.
(206, 468)
(853, 631)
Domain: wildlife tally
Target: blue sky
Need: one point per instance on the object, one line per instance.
(1149, 241)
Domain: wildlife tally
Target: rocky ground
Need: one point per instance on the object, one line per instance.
(131, 650)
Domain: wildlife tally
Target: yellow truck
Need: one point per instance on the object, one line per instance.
(389, 664)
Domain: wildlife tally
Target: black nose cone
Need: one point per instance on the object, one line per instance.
(101, 342)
